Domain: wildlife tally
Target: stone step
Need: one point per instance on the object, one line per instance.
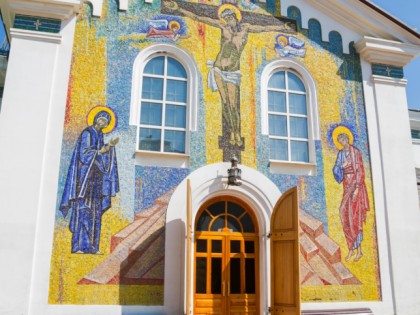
(310, 225)
(132, 232)
(329, 248)
(116, 239)
(343, 275)
(353, 311)
(313, 280)
(165, 198)
(157, 271)
(322, 269)
(306, 271)
(108, 271)
(307, 247)
(145, 213)
(152, 256)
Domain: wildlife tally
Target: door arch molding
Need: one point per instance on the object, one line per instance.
(209, 182)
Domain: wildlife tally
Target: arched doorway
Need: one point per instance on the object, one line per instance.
(226, 260)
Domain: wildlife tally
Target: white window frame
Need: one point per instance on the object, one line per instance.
(154, 158)
(290, 65)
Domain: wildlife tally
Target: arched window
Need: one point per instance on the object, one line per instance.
(163, 107)
(164, 101)
(289, 116)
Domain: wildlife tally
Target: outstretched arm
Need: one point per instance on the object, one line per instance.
(284, 28)
(173, 6)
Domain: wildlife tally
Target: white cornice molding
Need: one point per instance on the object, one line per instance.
(55, 9)
(376, 50)
(389, 81)
(97, 6)
(38, 36)
(363, 20)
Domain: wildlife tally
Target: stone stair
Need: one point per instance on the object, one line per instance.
(137, 251)
(320, 256)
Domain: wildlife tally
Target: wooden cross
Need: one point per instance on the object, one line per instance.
(225, 76)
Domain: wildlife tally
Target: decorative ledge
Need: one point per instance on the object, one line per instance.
(292, 168)
(388, 52)
(55, 9)
(153, 158)
(388, 80)
(38, 36)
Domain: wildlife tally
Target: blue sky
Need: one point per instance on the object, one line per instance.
(408, 11)
(2, 31)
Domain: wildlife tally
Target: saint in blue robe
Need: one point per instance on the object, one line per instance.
(91, 181)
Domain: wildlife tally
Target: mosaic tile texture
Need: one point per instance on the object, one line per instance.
(102, 74)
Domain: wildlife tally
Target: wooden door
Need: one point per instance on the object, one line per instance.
(226, 260)
(284, 239)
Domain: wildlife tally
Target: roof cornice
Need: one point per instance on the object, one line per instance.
(376, 50)
(365, 19)
(55, 9)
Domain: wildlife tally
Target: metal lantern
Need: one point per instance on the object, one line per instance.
(234, 173)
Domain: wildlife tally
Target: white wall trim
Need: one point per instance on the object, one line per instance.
(361, 19)
(37, 36)
(387, 80)
(57, 9)
(96, 7)
(377, 50)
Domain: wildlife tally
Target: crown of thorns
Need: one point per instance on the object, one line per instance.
(227, 12)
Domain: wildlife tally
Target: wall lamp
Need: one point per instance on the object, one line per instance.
(234, 173)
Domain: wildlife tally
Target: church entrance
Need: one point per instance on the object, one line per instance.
(226, 268)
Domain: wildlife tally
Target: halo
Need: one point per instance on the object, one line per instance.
(230, 7)
(172, 23)
(339, 130)
(283, 39)
(97, 109)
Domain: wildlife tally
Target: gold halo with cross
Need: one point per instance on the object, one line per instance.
(339, 130)
(96, 110)
(225, 7)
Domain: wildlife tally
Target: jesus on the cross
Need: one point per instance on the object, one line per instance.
(225, 75)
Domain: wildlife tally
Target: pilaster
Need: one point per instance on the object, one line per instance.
(387, 84)
(31, 122)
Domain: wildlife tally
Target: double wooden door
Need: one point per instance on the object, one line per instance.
(226, 261)
(226, 274)
(226, 258)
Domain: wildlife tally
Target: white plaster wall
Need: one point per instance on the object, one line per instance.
(23, 131)
(400, 193)
(31, 123)
(416, 153)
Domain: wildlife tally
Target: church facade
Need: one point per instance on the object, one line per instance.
(218, 157)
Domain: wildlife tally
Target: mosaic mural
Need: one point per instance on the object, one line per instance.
(110, 219)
